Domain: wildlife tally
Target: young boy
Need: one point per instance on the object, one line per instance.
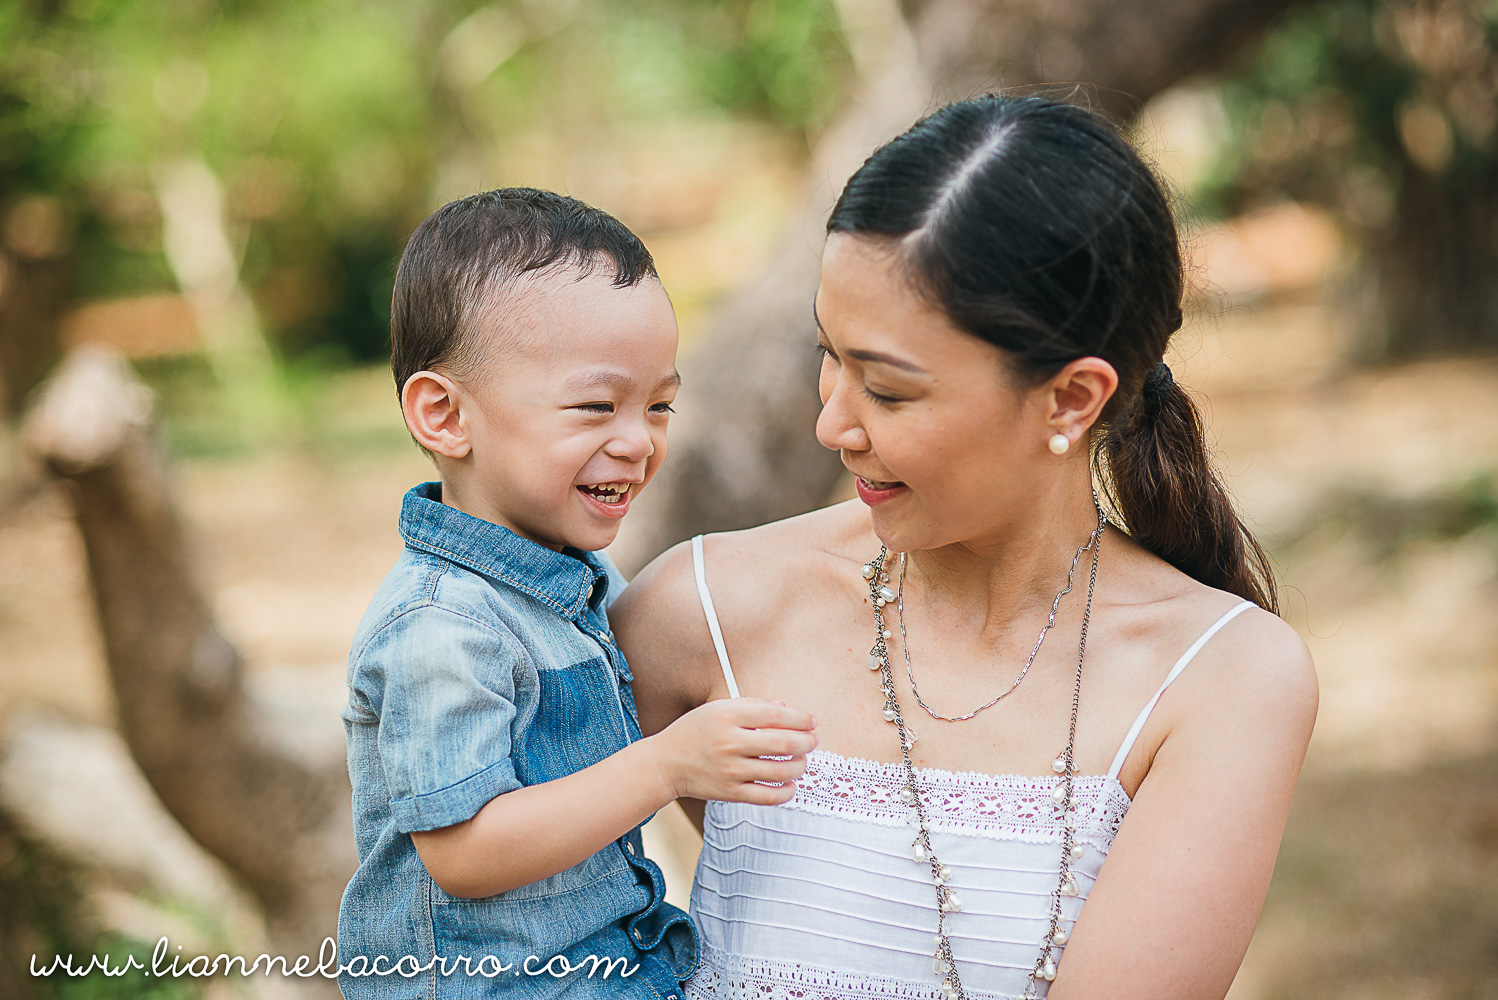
(499, 774)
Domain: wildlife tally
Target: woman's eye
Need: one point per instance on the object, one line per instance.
(824, 353)
(881, 400)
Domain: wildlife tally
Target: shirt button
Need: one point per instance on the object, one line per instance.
(639, 935)
(629, 847)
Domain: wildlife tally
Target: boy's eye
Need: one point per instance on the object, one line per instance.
(596, 407)
(663, 408)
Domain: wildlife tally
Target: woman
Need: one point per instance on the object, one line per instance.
(1012, 680)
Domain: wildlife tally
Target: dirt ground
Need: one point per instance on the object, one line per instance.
(1373, 488)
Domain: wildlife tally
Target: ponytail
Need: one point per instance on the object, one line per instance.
(1156, 472)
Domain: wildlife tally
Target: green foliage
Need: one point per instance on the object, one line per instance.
(40, 916)
(1345, 99)
(334, 126)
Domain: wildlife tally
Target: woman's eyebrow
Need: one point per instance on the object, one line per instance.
(886, 359)
(877, 356)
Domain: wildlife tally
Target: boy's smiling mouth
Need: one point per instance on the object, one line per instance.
(611, 499)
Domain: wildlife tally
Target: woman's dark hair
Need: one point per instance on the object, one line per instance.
(1033, 225)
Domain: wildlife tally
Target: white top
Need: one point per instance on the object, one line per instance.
(821, 898)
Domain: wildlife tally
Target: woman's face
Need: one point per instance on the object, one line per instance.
(947, 444)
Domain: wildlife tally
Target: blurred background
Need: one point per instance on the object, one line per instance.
(201, 206)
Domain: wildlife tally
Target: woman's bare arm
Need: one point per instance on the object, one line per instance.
(1176, 902)
(659, 623)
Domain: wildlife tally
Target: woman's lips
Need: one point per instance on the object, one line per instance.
(874, 491)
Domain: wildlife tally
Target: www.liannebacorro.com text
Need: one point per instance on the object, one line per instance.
(488, 966)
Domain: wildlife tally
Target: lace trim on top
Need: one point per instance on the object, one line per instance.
(722, 976)
(1013, 806)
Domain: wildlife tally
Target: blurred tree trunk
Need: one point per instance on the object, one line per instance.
(278, 819)
(33, 295)
(745, 451)
(1430, 281)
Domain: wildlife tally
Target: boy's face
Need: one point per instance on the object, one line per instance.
(568, 408)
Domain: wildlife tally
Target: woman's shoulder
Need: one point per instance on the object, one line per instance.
(1251, 664)
(750, 575)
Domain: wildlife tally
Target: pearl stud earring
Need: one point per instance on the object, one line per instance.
(1059, 443)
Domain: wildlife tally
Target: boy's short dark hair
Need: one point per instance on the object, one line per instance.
(469, 248)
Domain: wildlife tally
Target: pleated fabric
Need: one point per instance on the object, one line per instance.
(822, 897)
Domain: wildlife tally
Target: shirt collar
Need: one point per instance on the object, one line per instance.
(569, 581)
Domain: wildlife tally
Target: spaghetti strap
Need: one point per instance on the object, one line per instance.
(1175, 671)
(712, 615)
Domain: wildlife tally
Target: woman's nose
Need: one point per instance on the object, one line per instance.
(837, 428)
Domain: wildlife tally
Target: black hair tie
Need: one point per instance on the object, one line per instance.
(1157, 383)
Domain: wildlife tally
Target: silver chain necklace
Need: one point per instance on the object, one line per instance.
(947, 903)
(1050, 620)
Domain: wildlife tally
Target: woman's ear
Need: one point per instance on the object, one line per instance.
(433, 407)
(1078, 394)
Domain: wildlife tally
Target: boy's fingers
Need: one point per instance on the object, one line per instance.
(772, 715)
(781, 742)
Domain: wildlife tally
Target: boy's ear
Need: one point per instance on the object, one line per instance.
(432, 406)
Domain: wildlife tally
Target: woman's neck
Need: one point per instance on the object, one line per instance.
(1000, 579)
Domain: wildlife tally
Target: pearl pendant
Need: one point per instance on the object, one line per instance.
(1069, 886)
(939, 966)
(907, 796)
(889, 715)
(874, 661)
(879, 602)
(944, 872)
(887, 634)
(919, 852)
(1060, 937)
(1076, 850)
(953, 904)
(937, 940)
(1058, 794)
(1049, 972)
(868, 571)
(1059, 765)
(887, 594)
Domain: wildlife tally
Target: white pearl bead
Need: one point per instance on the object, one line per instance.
(1076, 850)
(940, 966)
(889, 715)
(907, 796)
(1060, 937)
(1069, 887)
(868, 571)
(937, 939)
(1059, 765)
(953, 903)
(919, 851)
(1049, 971)
(874, 661)
(1059, 443)
(1058, 794)
(945, 872)
(879, 602)
(887, 634)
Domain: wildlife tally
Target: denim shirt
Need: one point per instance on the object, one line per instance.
(485, 662)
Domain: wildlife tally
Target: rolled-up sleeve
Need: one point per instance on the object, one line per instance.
(443, 685)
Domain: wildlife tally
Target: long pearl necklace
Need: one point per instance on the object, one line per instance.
(947, 903)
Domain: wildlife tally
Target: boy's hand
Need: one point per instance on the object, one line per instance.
(715, 751)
